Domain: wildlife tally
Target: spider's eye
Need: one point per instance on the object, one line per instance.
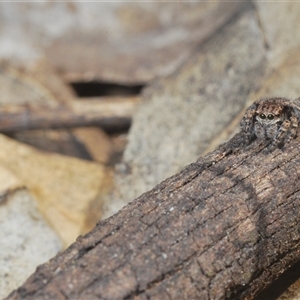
(270, 117)
(262, 116)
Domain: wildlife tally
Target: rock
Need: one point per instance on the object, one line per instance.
(130, 43)
(184, 113)
(283, 80)
(26, 239)
(19, 87)
(96, 142)
(64, 187)
(278, 23)
(36, 83)
(8, 181)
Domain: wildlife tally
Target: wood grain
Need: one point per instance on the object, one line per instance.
(224, 227)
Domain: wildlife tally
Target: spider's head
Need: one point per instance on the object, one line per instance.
(268, 113)
(268, 118)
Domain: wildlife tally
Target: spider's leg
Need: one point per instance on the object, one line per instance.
(282, 133)
(247, 122)
(296, 108)
(296, 102)
(293, 128)
(259, 131)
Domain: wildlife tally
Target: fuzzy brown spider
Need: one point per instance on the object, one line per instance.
(274, 119)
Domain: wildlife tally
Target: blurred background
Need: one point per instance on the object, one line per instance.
(101, 101)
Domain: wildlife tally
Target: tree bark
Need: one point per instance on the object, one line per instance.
(224, 227)
(110, 113)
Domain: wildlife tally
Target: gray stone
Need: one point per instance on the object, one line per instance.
(26, 240)
(183, 113)
(279, 23)
(120, 41)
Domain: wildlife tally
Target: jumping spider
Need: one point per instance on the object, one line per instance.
(274, 119)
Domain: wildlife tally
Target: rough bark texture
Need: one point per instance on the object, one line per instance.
(223, 228)
(111, 113)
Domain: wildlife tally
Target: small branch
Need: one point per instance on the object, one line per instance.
(110, 113)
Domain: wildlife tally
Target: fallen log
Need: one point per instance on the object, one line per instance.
(224, 227)
(110, 113)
